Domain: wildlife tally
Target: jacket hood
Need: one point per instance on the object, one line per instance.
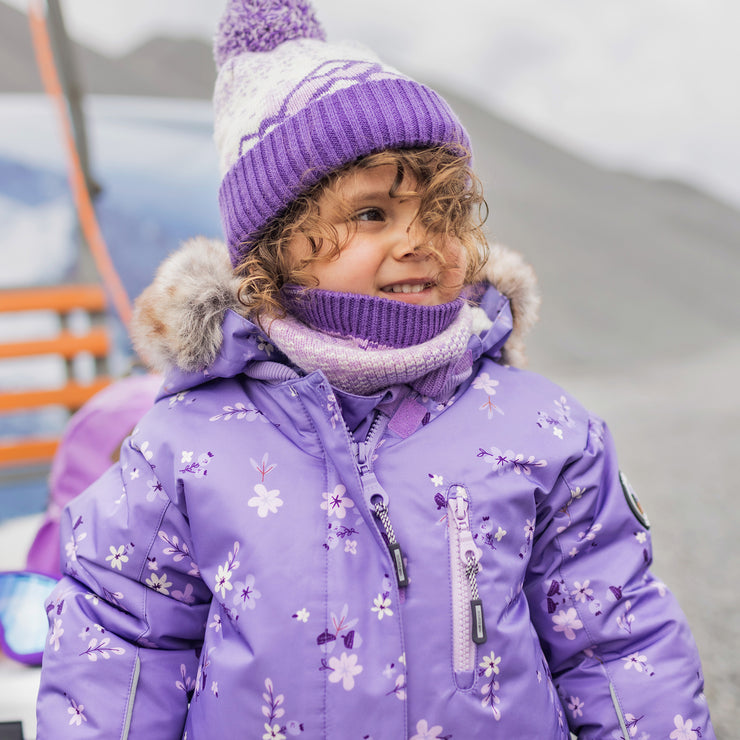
(181, 320)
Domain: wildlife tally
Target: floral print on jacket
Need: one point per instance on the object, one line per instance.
(231, 571)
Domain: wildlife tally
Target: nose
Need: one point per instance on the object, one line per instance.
(411, 242)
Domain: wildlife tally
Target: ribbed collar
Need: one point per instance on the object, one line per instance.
(379, 321)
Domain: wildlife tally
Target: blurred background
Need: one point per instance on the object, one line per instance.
(606, 135)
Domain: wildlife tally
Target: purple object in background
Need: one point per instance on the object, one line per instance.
(88, 447)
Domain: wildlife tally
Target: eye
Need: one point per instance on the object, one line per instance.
(370, 214)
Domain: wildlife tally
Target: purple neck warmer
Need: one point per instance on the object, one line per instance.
(378, 321)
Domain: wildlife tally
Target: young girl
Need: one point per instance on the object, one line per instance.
(349, 514)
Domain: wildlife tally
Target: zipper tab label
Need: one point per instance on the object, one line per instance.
(478, 630)
(397, 557)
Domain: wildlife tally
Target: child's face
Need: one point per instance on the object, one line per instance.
(386, 248)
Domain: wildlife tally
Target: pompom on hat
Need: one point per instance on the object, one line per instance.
(290, 108)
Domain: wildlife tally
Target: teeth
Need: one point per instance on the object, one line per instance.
(406, 288)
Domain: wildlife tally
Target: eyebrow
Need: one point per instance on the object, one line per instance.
(355, 198)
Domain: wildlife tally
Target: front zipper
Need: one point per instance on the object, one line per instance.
(469, 626)
(376, 495)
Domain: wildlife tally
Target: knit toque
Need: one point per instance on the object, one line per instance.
(378, 321)
(290, 108)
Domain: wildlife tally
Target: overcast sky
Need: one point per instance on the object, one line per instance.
(650, 85)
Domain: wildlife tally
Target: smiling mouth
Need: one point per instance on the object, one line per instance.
(407, 288)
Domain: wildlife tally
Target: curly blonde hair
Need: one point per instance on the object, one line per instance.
(451, 204)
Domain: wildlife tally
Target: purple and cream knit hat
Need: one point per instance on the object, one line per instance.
(290, 108)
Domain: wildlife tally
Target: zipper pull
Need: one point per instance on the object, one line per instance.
(477, 617)
(381, 511)
(470, 556)
(378, 499)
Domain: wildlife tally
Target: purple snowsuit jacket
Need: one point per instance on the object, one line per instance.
(234, 577)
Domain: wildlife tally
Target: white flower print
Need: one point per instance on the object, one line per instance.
(199, 468)
(134, 474)
(641, 537)
(179, 398)
(216, 623)
(237, 411)
(117, 556)
(484, 382)
(437, 480)
(350, 546)
(102, 649)
(56, 632)
(223, 576)
(576, 706)
(223, 580)
(500, 534)
(143, 449)
(273, 710)
(265, 346)
(267, 502)
(399, 688)
(490, 664)
(302, 615)
(155, 489)
(567, 622)
(684, 729)
(382, 606)
(186, 683)
(529, 530)
(424, 732)
(636, 661)
(159, 583)
(344, 669)
(77, 712)
(186, 457)
(336, 503)
(70, 548)
(626, 620)
(661, 587)
(246, 594)
(177, 550)
(582, 592)
(504, 462)
(272, 732)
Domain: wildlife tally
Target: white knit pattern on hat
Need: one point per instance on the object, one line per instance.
(257, 91)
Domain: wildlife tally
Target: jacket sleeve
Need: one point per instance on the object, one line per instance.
(619, 648)
(127, 620)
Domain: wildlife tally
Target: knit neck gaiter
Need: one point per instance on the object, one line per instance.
(340, 333)
(379, 322)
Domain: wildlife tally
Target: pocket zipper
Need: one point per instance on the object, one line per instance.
(469, 625)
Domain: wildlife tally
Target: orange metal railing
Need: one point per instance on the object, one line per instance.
(67, 344)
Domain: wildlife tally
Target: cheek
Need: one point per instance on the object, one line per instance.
(456, 261)
(299, 249)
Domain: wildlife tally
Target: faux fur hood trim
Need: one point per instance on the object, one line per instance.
(177, 319)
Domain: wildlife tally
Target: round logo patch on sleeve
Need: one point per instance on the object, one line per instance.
(633, 501)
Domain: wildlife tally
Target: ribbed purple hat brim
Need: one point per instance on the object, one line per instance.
(323, 136)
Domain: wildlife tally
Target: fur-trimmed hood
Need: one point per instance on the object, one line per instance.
(177, 322)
